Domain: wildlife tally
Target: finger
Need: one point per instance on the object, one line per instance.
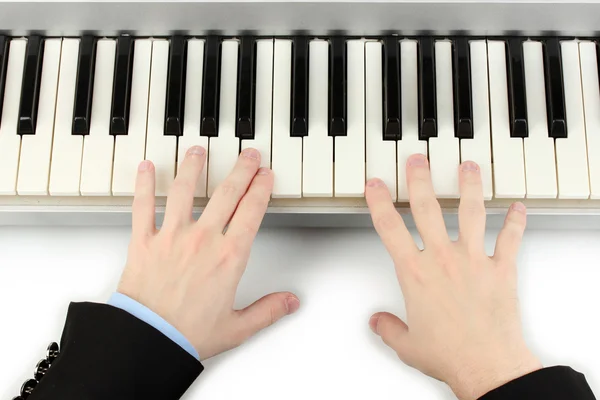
(471, 210)
(180, 200)
(228, 194)
(265, 312)
(509, 238)
(246, 221)
(387, 222)
(143, 222)
(394, 332)
(423, 203)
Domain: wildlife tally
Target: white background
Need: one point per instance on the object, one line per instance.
(325, 350)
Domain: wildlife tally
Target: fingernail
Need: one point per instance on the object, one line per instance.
(373, 323)
(264, 171)
(144, 165)
(417, 160)
(196, 151)
(250, 153)
(469, 166)
(375, 182)
(519, 207)
(292, 304)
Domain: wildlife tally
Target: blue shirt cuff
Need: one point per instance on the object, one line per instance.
(143, 313)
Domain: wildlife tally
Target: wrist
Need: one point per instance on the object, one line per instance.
(475, 382)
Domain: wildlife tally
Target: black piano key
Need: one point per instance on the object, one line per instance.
(392, 129)
(4, 49)
(463, 109)
(517, 101)
(175, 87)
(337, 87)
(85, 86)
(246, 89)
(210, 87)
(555, 100)
(119, 119)
(427, 96)
(299, 110)
(30, 89)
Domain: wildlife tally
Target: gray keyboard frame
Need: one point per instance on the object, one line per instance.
(157, 18)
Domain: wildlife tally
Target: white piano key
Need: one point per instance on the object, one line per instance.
(507, 152)
(193, 103)
(444, 150)
(591, 101)
(130, 149)
(540, 165)
(287, 151)
(350, 150)
(263, 102)
(98, 146)
(224, 149)
(34, 163)
(161, 149)
(410, 143)
(67, 149)
(317, 172)
(479, 149)
(10, 142)
(571, 153)
(381, 154)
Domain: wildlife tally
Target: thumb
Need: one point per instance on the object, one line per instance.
(393, 332)
(265, 312)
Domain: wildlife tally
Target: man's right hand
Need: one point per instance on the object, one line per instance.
(463, 325)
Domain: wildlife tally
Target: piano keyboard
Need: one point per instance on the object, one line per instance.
(327, 113)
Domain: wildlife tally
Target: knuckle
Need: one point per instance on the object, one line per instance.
(199, 237)
(229, 189)
(444, 256)
(183, 185)
(384, 222)
(472, 207)
(230, 252)
(425, 205)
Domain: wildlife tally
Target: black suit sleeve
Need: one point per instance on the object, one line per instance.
(553, 383)
(106, 353)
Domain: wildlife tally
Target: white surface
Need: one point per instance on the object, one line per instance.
(540, 165)
(161, 149)
(591, 102)
(381, 154)
(350, 150)
(325, 350)
(67, 148)
(410, 143)
(317, 158)
(444, 150)
(571, 153)
(286, 151)
(10, 142)
(98, 146)
(193, 104)
(263, 102)
(130, 149)
(479, 148)
(225, 148)
(507, 152)
(36, 150)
